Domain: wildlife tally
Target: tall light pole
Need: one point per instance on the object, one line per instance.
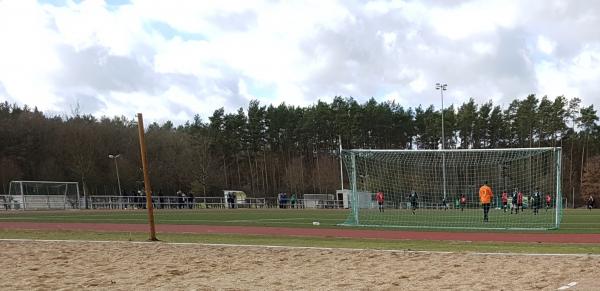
(442, 88)
(341, 165)
(114, 157)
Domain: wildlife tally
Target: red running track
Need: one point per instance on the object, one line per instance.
(313, 232)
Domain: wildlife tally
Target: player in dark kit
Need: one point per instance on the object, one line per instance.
(413, 201)
(519, 201)
(445, 203)
(537, 201)
(514, 203)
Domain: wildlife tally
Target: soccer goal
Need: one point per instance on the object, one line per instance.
(446, 185)
(43, 195)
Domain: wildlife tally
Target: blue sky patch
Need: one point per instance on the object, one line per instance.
(169, 32)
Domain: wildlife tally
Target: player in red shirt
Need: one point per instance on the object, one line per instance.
(504, 200)
(379, 198)
(463, 202)
(548, 201)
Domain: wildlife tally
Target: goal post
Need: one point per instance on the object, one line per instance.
(42, 195)
(454, 202)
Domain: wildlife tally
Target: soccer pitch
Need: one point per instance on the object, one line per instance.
(573, 221)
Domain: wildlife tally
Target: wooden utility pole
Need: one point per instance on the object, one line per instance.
(147, 186)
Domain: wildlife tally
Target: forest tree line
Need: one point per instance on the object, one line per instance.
(267, 149)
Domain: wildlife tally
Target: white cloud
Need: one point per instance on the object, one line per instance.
(177, 58)
(545, 45)
(483, 48)
(572, 77)
(474, 17)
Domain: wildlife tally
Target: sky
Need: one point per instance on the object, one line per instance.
(173, 59)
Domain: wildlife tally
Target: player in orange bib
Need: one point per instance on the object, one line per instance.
(485, 197)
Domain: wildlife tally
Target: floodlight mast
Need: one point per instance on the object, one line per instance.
(442, 88)
(114, 157)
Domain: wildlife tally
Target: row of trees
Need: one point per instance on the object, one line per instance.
(267, 149)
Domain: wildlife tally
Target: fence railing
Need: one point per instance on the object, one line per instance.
(8, 202)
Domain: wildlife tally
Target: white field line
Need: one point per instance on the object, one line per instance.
(565, 287)
(306, 248)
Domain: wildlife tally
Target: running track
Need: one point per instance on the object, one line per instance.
(312, 232)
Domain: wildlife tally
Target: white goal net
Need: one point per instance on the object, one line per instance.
(440, 188)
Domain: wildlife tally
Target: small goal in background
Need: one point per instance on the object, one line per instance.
(41, 195)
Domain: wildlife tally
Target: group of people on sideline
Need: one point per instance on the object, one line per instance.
(282, 200)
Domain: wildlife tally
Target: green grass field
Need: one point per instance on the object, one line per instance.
(574, 221)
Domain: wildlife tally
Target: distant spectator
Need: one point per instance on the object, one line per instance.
(143, 199)
(133, 199)
(280, 200)
(140, 199)
(284, 200)
(182, 199)
(231, 200)
(293, 200)
(5, 202)
(190, 200)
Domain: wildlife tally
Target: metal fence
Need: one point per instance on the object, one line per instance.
(8, 202)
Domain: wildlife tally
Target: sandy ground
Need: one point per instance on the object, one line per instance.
(35, 265)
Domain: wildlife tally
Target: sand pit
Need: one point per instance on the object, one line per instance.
(37, 265)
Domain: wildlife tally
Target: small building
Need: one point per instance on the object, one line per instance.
(240, 197)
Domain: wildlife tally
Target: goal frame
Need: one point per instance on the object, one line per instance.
(23, 205)
(352, 175)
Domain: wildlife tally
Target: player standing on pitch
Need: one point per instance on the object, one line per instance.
(590, 202)
(514, 202)
(463, 202)
(519, 201)
(548, 201)
(379, 198)
(413, 201)
(537, 200)
(485, 197)
(504, 200)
